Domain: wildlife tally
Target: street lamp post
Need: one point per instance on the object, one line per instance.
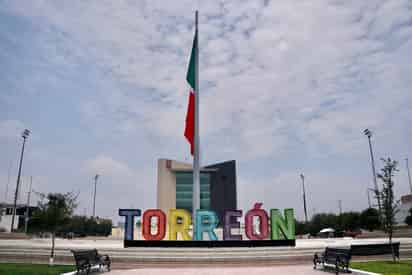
(304, 197)
(24, 135)
(368, 133)
(94, 196)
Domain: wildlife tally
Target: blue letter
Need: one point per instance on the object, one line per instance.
(206, 221)
(129, 222)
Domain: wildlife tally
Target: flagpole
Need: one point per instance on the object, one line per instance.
(196, 157)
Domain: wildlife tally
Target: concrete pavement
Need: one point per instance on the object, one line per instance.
(284, 270)
(38, 251)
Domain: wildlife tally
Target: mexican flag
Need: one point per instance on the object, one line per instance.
(191, 80)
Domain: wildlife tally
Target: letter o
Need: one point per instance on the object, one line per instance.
(161, 225)
(263, 223)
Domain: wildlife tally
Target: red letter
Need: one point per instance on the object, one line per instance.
(147, 224)
(263, 223)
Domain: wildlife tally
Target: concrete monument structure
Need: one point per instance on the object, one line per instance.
(217, 186)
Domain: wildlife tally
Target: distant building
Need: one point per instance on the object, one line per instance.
(405, 205)
(6, 214)
(217, 186)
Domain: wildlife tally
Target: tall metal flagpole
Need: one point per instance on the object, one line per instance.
(196, 156)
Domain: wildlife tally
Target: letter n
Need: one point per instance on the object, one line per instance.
(279, 226)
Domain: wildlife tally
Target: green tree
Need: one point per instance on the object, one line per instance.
(369, 219)
(83, 226)
(408, 219)
(350, 220)
(301, 228)
(53, 213)
(389, 205)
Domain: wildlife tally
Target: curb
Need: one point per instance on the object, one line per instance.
(357, 271)
(362, 272)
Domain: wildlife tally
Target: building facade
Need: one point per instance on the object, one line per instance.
(217, 186)
(405, 205)
(6, 213)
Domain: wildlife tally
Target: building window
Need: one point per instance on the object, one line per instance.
(184, 190)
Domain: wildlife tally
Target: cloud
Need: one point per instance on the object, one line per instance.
(11, 129)
(283, 85)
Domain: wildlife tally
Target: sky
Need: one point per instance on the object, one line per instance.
(286, 87)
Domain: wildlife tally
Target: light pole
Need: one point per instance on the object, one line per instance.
(368, 133)
(409, 174)
(304, 197)
(94, 196)
(24, 135)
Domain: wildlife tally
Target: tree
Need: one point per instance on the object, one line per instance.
(389, 205)
(408, 219)
(350, 220)
(54, 211)
(369, 219)
(83, 226)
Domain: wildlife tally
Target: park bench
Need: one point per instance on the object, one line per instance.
(86, 259)
(375, 249)
(339, 257)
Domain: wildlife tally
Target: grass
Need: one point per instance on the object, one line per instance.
(33, 269)
(385, 267)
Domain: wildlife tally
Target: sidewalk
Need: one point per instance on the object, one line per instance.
(284, 270)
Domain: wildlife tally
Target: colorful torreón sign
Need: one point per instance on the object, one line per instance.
(273, 227)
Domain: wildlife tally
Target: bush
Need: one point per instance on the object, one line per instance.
(408, 219)
(369, 219)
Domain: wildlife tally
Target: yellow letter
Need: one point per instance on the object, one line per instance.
(182, 227)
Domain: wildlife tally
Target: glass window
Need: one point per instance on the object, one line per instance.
(184, 190)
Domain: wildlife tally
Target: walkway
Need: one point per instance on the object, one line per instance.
(284, 270)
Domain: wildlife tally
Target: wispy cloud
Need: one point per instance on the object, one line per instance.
(288, 86)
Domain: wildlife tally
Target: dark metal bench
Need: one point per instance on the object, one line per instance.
(86, 259)
(375, 249)
(339, 257)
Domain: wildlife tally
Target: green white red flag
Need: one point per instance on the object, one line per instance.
(191, 79)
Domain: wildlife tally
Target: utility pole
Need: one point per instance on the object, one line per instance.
(28, 206)
(368, 133)
(409, 174)
(340, 207)
(94, 196)
(24, 135)
(369, 199)
(304, 197)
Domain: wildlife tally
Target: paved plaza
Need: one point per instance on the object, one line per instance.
(284, 270)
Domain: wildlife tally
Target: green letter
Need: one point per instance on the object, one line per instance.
(279, 225)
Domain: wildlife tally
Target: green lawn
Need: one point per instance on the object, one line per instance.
(385, 267)
(33, 269)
